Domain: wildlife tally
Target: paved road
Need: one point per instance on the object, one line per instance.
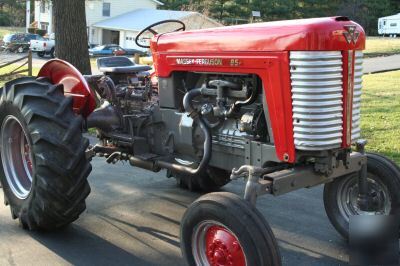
(133, 218)
(381, 64)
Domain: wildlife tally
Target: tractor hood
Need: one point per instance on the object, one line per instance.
(332, 33)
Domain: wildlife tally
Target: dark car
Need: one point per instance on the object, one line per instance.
(19, 42)
(112, 49)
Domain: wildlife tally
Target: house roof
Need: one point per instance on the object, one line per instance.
(140, 18)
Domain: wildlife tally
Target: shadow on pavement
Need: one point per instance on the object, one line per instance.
(81, 247)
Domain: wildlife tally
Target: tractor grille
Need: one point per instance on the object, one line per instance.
(317, 99)
(355, 130)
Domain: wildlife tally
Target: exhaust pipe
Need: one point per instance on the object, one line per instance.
(187, 104)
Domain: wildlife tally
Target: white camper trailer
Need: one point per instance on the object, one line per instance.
(389, 25)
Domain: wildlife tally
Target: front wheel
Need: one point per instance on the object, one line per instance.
(340, 196)
(43, 168)
(223, 229)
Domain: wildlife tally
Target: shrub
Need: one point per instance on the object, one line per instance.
(5, 19)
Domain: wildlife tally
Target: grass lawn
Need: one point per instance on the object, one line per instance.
(10, 68)
(378, 46)
(380, 113)
(7, 30)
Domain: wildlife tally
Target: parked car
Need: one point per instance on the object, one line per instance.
(43, 47)
(19, 42)
(112, 49)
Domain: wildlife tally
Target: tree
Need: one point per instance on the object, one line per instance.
(365, 12)
(70, 33)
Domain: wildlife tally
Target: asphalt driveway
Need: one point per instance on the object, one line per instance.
(133, 218)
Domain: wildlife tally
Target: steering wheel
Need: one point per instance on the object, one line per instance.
(152, 31)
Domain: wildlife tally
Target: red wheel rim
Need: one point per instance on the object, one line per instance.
(16, 157)
(216, 245)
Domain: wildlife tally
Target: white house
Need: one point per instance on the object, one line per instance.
(389, 25)
(119, 21)
(96, 10)
(124, 28)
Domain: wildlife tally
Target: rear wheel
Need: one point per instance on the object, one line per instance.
(223, 229)
(340, 196)
(43, 168)
(41, 54)
(210, 180)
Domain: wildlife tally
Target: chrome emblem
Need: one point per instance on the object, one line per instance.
(351, 34)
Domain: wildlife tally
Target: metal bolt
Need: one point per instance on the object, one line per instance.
(235, 245)
(286, 157)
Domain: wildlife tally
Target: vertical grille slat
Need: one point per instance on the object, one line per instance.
(317, 82)
(355, 129)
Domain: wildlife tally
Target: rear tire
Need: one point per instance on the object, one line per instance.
(41, 54)
(223, 229)
(383, 182)
(55, 152)
(210, 180)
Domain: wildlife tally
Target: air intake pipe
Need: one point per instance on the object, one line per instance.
(187, 104)
(105, 118)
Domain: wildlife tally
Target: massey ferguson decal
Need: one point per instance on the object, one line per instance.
(199, 61)
(351, 34)
(208, 61)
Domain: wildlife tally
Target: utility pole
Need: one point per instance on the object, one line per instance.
(28, 14)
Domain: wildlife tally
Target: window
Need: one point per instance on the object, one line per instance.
(44, 26)
(106, 9)
(42, 6)
(393, 24)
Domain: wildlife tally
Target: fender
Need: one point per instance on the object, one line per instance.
(75, 85)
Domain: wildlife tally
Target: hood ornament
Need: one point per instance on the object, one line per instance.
(351, 34)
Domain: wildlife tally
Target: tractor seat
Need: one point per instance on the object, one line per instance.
(119, 65)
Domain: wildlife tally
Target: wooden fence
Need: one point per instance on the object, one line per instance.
(19, 69)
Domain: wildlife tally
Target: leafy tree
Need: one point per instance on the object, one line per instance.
(12, 13)
(366, 12)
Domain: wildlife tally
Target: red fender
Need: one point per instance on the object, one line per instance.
(75, 85)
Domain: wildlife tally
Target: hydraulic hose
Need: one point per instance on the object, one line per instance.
(187, 104)
(238, 104)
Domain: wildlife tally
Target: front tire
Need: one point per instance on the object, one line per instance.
(43, 168)
(340, 196)
(223, 229)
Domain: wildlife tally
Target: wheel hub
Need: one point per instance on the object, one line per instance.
(378, 198)
(222, 247)
(16, 157)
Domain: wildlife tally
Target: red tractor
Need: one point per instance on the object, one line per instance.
(276, 103)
